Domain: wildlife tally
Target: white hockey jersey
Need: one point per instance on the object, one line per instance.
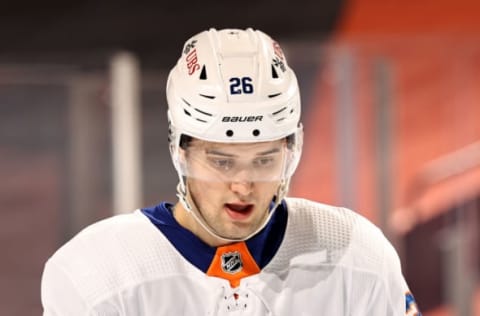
(312, 260)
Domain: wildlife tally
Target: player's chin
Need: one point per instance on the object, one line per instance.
(237, 230)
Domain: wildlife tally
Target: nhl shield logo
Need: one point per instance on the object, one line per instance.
(232, 262)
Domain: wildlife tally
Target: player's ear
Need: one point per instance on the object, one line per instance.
(182, 156)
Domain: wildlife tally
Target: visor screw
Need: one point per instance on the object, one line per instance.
(229, 133)
(256, 132)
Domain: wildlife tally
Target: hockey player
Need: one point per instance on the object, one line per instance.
(233, 244)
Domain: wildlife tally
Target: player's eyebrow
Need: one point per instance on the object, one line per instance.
(269, 152)
(224, 154)
(218, 153)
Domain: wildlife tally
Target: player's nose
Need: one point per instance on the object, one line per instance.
(243, 188)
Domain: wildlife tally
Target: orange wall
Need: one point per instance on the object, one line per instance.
(435, 95)
(410, 17)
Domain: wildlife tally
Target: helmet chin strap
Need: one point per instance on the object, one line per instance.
(185, 199)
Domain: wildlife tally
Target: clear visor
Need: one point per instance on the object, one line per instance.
(245, 162)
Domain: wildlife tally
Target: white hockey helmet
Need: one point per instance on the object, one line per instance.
(233, 86)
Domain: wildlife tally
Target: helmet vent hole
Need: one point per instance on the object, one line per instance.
(185, 101)
(274, 73)
(202, 112)
(186, 112)
(229, 133)
(274, 95)
(203, 73)
(279, 111)
(255, 132)
(207, 96)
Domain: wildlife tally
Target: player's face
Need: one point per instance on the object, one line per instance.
(232, 185)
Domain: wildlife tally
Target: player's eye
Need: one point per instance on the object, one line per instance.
(264, 162)
(222, 164)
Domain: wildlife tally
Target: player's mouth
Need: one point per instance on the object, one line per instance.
(238, 211)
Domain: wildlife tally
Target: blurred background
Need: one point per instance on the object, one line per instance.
(391, 108)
